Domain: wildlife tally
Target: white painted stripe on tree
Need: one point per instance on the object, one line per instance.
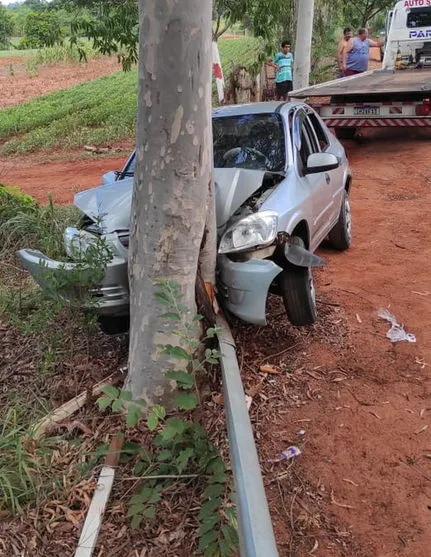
(218, 71)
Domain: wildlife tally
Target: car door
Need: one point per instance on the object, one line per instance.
(334, 179)
(317, 199)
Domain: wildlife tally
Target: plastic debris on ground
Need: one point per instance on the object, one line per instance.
(287, 454)
(396, 333)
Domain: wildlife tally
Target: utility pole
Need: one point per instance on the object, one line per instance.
(304, 33)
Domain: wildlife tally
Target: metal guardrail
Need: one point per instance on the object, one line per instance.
(256, 534)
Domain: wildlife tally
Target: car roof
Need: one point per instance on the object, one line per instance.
(254, 108)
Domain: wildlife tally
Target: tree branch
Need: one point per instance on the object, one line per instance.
(224, 29)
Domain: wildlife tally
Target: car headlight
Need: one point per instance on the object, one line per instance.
(259, 229)
(77, 242)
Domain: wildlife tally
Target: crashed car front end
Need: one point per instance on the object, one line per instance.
(102, 239)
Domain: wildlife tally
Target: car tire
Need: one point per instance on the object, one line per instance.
(340, 237)
(297, 290)
(114, 325)
(345, 133)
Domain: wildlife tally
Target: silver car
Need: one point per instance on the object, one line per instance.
(282, 185)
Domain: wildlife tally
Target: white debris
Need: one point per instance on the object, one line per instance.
(396, 333)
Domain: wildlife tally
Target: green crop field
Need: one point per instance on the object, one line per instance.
(97, 113)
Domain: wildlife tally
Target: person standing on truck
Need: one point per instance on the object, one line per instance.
(283, 63)
(357, 53)
(342, 45)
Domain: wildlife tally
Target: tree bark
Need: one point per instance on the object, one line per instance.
(304, 34)
(173, 198)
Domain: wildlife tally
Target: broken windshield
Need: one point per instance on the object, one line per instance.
(253, 141)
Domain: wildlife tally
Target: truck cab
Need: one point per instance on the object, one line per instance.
(408, 35)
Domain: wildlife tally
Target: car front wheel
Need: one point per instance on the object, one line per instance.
(340, 236)
(299, 297)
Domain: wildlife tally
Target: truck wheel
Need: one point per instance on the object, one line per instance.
(114, 324)
(340, 237)
(297, 289)
(345, 133)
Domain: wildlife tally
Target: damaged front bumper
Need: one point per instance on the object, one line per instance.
(110, 297)
(244, 287)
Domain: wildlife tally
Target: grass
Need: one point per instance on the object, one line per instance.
(25, 223)
(12, 53)
(43, 341)
(97, 113)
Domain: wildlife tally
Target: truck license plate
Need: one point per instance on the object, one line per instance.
(366, 110)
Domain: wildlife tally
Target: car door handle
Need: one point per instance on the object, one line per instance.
(327, 178)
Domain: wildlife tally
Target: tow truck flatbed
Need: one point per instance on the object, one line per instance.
(373, 82)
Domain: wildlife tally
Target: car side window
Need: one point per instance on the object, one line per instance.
(307, 143)
(322, 138)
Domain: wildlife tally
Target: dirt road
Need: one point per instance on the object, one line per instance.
(358, 406)
(362, 486)
(21, 79)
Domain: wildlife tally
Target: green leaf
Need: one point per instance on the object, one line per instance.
(226, 548)
(152, 421)
(184, 379)
(212, 331)
(126, 395)
(208, 524)
(213, 490)
(174, 351)
(111, 391)
(117, 405)
(212, 550)
(138, 500)
(161, 297)
(207, 539)
(135, 508)
(185, 401)
(139, 467)
(133, 416)
(209, 508)
(164, 455)
(171, 315)
(159, 411)
(230, 535)
(136, 521)
(104, 402)
(150, 512)
(173, 428)
(183, 458)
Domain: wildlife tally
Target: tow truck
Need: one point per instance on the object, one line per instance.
(396, 95)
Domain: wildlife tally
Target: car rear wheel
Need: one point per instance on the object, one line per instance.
(299, 297)
(114, 325)
(340, 236)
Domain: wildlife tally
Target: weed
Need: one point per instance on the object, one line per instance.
(25, 223)
(31, 67)
(24, 466)
(65, 54)
(181, 447)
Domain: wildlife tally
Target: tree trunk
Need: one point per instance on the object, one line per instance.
(304, 33)
(173, 181)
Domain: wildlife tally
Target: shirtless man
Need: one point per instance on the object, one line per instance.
(342, 45)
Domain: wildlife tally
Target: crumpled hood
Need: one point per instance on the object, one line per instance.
(110, 204)
(233, 186)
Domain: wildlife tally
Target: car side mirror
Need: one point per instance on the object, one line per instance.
(321, 162)
(110, 177)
